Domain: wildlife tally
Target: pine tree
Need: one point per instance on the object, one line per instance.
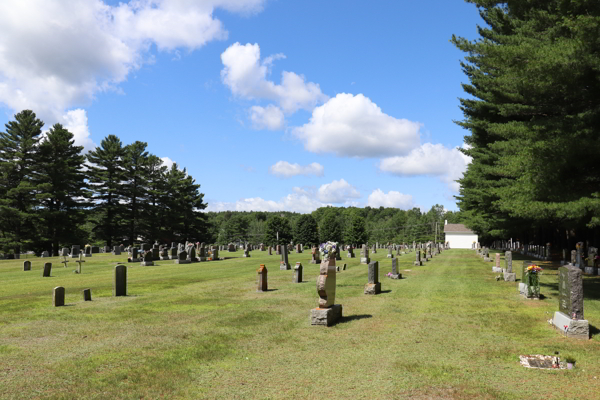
(18, 169)
(154, 221)
(135, 186)
(355, 231)
(61, 181)
(106, 177)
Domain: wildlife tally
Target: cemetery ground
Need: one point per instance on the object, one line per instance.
(449, 330)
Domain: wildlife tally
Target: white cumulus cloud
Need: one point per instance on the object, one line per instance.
(167, 162)
(392, 199)
(247, 77)
(337, 192)
(285, 169)
(76, 122)
(292, 202)
(56, 55)
(270, 117)
(448, 164)
(354, 126)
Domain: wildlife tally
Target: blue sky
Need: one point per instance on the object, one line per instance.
(270, 105)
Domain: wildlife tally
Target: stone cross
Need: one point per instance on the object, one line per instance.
(298, 273)
(374, 286)
(120, 282)
(79, 261)
(26, 265)
(262, 278)
(58, 296)
(47, 270)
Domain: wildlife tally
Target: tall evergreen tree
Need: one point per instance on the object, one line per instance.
(330, 228)
(61, 181)
(135, 186)
(106, 176)
(306, 231)
(355, 232)
(18, 169)
(153, 223)
(278, 230)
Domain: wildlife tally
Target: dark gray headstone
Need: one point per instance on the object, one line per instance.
(120, 283)
(570, 292)
(47, 270)
(26, 265)
(87, 294)
(374, 272)
(508, 261)
(395, 266)
(58, 296)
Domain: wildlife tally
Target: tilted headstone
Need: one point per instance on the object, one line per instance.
(262, 278)
(298, 273)
(373, 286)
(47, 270)
(570, 319)
(58, 296)
(284, 264)
(120, 281)
(327, 313)
(26, 265)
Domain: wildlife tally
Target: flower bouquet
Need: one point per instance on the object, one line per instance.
(532, 280)
(327, 249)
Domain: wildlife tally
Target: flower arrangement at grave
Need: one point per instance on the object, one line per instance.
(532, 280)
(327, 249)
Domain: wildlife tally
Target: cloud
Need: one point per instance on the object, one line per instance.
(354, 126)
(292, 202)
(337, 192)
(56, 55)
(167, 162)
(270, 118)
(430, 159)
(246, 76)
(392, 199)
(284, 169)
(76, 122)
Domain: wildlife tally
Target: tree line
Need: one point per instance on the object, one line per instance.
(533, 116)
(53, 196)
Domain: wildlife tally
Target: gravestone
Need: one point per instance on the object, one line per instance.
(87, 294)
(590, 267)
(79, 261)
(164, 254)
(277, 250)
(155, 252)
(344, 267)
(338, 252)
(284, 264)
(569, 319)
(215, 254)
(509, 275)
(135, 255)
(88, 251)
(120, 282)
(147, 258)
(315, 256)
(58, 296)
(231, 248)
(247, 251)
(298, 248)
(182, 258)
(262, 247)
(270, 251)
(191, 254)
(64, 252)
(45, 254)
(364, 255)
(262, 278)
(374, 249)
(350, 252)
(390, 253)
(418, 261)
(145, 247)
(395, 273)
(373, 286)
(95, 250)
(298, 273)
(26, 265)
(75, 251)
(327, 313)
(497, 267)
(117, 250)
(173, 253)
(579, 260)
(427, 253)
(529, 286)
(47, 270)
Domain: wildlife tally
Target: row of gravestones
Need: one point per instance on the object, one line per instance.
(119, 287)
(570, 318)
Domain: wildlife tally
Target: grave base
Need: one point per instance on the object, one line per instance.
(164, 258)
(576, 328)
(285, 267)
(390, 256)
(418, 263)
(183, 262)
(510, 277)
(373, 288)
(397, 276)
(487, 259)
(497, 269)
(364, 260)
(326, 316)
(147, 263)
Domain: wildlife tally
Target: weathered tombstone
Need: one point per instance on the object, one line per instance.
(120, 282)
(262, 278)
(373, 286)
(569, 319)
(350, 252)
(191, 254)
(26, 265)
(418, 261)
(364, 255)
(117, 250)
(390, 253)
(47, 270)
(298, 248)
(590, 268)
(182, 258)
(395, 273)
(45, 254)
(327, 313)
(247, 251)
(278, 250)
(270, 251)
(497, 267)
(58, 296)
(284, 264)
(298, 273)
(315, 256)
(147, 258)
(87, 294)
(88, 251)
(509, 275)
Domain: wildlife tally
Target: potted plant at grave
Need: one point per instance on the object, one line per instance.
(570, 362)
(532, 280)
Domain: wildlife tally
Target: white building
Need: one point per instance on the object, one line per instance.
(459, 236)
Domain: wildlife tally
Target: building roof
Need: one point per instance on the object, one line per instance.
(456, 228)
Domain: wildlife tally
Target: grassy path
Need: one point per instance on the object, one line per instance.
(447, 331)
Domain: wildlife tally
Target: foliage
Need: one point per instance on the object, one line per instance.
(278, 230)
(306, 231)
(355, 232)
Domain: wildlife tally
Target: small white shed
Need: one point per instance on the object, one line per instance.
(459, 236)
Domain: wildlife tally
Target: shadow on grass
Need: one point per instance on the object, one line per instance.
(350, 318)
(385, 291)
(593, 331)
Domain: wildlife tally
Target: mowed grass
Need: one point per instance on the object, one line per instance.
(448, 330)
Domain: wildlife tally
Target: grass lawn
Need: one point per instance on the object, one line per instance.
(447, 331)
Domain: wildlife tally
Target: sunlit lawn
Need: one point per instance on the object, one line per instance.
(447, 331)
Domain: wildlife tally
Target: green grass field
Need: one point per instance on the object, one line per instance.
(448, 330)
